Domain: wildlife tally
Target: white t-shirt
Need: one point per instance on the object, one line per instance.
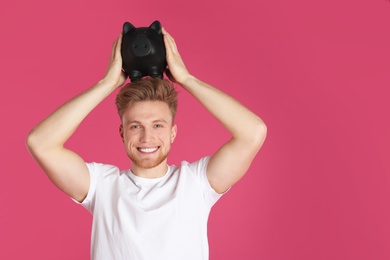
(145, 219)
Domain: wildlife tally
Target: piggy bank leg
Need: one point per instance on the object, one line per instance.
(135, 75)
(155, 73)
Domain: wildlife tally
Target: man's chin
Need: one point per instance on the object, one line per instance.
(148, 163)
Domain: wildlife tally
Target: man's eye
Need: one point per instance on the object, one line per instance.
(158, 126)
(135, 127)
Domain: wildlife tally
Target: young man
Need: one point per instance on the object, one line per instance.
(151, 211)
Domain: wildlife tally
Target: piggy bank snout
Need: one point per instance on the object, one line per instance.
(141, 46)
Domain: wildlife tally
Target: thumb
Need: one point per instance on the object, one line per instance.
(169, 75)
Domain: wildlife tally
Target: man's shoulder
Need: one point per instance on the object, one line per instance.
(194, 166)
(103, 169)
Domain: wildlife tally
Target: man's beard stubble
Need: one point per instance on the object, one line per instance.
(149, 164)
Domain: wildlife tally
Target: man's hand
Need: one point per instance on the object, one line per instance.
(115, 74)
(177, 71)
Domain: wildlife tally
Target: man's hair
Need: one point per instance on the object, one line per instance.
(147, 89)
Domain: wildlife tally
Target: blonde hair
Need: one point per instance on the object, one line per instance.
(147, 89)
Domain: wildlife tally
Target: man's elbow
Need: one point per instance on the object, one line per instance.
(31, 142)
(252, 135)
(259, 133)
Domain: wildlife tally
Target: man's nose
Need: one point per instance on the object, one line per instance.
(146, 135)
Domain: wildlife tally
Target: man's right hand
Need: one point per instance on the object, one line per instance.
(115, 75)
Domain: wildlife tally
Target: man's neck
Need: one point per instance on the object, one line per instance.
(155, 172)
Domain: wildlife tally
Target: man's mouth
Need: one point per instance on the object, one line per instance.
(148, 149)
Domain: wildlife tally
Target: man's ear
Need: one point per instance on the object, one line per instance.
(173, 132)
(121, 133)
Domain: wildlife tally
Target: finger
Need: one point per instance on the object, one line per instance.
(124, 74)
(164, 32)
(169, 42)
(119, 44)
(116, 51)
(113, 49)
(169, 75)
(115, 45)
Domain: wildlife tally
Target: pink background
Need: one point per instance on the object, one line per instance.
(317, 72)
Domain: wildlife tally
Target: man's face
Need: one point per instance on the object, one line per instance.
(147, 131)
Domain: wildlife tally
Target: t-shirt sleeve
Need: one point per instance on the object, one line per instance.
(200, 168)
(88, 202)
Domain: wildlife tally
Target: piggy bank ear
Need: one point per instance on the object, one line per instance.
(156, 25)
(127, 27)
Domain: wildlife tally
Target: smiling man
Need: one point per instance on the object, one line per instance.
(152, 210)
(147, 109)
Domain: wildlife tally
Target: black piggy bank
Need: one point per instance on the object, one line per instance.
(143, 51)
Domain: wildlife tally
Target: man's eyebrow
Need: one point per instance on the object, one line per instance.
(154, 121)
(134, 122)
(159, 121)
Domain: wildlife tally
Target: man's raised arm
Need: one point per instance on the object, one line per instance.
(66, 169)
(232, 160)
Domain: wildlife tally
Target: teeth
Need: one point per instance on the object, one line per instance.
(148, 150)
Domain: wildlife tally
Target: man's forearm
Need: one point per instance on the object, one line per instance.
(59, 126)
(55, 130)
